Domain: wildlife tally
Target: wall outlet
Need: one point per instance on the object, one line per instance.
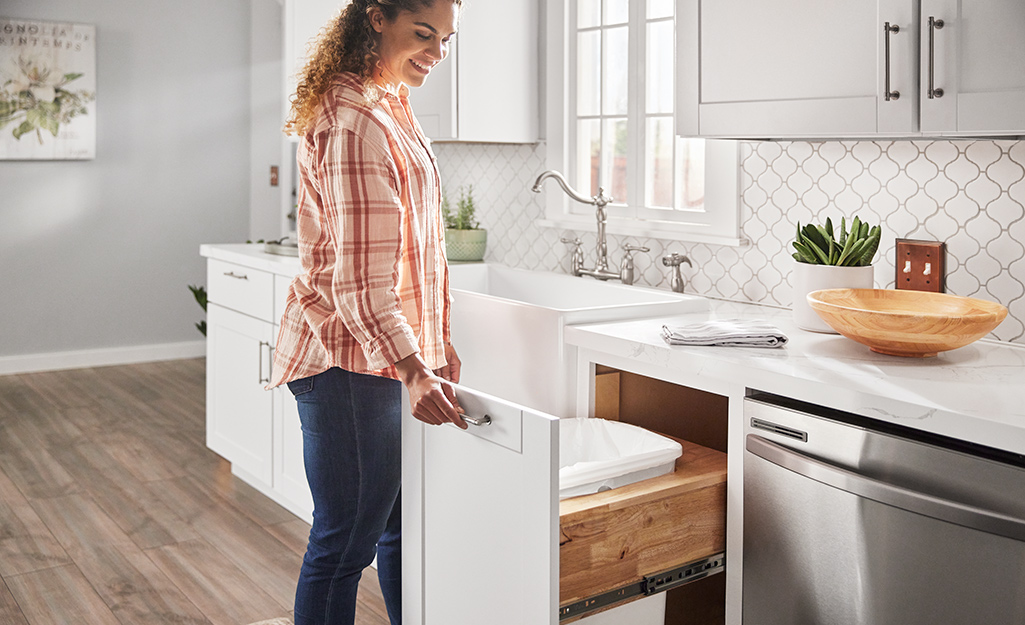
(921, 265)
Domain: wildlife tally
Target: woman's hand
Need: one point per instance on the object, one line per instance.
(451, 370)
(431, 398)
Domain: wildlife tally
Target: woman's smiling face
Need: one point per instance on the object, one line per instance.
(414, 42)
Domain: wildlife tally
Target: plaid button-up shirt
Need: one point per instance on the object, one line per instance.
(374, 282)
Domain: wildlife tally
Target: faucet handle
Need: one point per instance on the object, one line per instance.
(634, 248)
(675, 260)
(577, 263)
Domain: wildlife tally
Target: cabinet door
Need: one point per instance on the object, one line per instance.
(289, 467)
(487, 88)
(791, 68)
(238, 409)
(303, 21)
(480, 517)
(976, 59)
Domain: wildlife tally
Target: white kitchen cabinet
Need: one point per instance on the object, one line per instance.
(238, 409)
(487, 88)
(486, 539)
(791, 69)
(303, 21)
(257, 430)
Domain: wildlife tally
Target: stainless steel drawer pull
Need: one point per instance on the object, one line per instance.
(934, 25)
(478, 421)
(890, 95)
(262, 379)
(232, 274)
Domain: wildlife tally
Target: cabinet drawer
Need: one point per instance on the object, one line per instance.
(614, 539)
(243, 289)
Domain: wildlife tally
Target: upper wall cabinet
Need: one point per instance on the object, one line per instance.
(835, 68)
(487, 88)
(303, 21)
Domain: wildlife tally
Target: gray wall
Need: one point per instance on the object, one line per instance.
(98, 254)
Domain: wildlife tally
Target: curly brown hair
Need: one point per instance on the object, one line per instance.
(348, 43)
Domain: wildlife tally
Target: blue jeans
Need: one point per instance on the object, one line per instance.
(352, 450)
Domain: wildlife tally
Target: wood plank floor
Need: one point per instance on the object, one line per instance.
(112, 509)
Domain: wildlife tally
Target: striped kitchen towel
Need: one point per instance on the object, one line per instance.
(726, 332)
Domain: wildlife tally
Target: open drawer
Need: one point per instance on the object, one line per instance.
(643, 538)
(482, 528)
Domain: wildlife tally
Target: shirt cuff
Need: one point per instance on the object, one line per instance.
(391, 347)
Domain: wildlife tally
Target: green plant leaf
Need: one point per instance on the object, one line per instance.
(871, 247)
(845, 254)
(812, 235)
(804, 254)
(25, 128)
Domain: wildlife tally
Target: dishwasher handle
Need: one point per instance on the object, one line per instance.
(886, 493)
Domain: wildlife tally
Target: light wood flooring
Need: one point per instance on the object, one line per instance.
(113, 511)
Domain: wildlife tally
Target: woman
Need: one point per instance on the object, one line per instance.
(369, 312)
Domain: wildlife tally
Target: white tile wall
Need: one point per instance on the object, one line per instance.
(970, 194)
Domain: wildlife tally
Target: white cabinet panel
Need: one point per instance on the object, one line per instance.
(480, 520)
(303, 21)
(487, 88)
(976, 59)
(238, 413)
(289, 469)
(787, 67)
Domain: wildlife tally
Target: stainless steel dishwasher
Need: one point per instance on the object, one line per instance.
(850, 521)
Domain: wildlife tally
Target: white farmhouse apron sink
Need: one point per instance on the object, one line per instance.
(507, 327)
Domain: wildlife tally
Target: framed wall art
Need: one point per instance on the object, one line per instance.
(47, 90)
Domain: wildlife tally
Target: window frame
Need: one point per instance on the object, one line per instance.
(718, 223)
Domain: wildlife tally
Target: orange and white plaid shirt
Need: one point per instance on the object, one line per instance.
(374, 282)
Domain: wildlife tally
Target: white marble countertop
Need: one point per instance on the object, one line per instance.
(975, 393)
(251, 255)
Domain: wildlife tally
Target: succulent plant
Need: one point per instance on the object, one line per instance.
(818, 245)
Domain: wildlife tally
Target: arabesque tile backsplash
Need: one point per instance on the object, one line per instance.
(970, 194)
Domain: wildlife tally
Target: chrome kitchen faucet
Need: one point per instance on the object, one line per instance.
(601, 269)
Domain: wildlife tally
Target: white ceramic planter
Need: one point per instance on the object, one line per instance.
(465, 245)
(808, 278)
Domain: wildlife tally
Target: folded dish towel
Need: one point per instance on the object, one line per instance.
(726, 332)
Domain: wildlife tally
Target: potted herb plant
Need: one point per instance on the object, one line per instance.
(465, 240)
(828, 259)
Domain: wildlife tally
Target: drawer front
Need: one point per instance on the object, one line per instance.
(243, 289)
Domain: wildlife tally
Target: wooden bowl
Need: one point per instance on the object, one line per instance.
(916, 324)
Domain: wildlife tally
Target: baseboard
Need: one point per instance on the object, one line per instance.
(82, 359)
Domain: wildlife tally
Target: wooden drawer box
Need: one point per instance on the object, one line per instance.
(616, 538)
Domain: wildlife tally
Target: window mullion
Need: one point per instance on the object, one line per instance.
(635, 109)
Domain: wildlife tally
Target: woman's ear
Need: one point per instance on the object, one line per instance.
(376, 17)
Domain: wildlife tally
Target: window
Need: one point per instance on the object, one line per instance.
(611, 102)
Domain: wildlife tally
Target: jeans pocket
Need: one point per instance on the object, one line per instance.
(300, 386)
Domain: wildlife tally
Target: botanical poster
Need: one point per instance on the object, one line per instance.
(47, 90)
